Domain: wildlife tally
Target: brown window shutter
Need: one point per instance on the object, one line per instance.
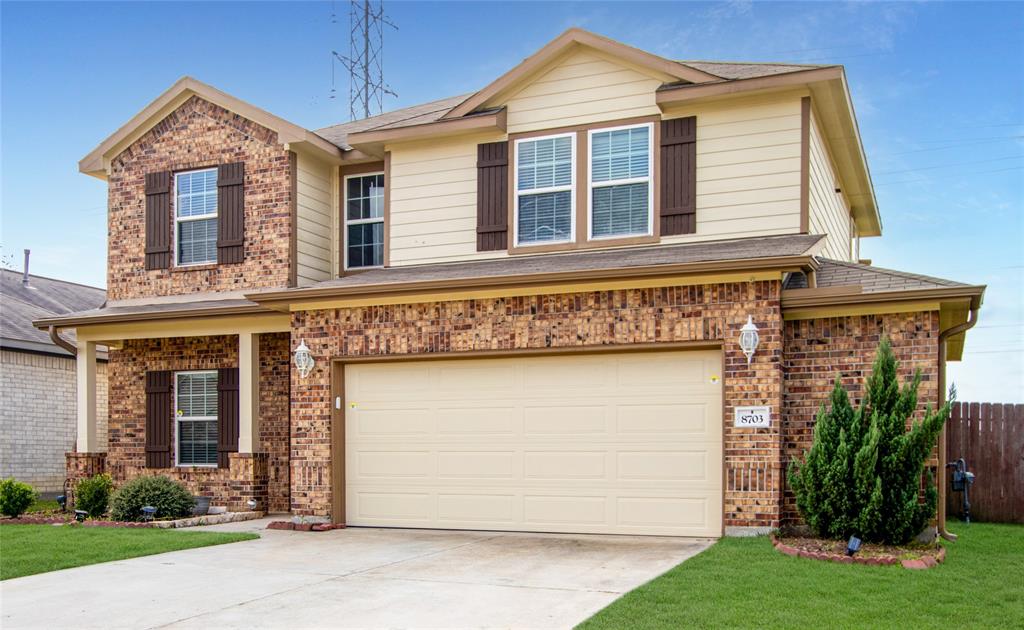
(159, 419)
(491, 196)
(227, 414)
(158, 220)
(230, 212)
(679, 176)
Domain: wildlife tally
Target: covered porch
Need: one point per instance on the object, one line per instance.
(200, 397)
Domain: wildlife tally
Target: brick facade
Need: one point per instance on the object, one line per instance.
(264, 476)
(37, 416)
(199, 134)
(818, 350)
(638, 316)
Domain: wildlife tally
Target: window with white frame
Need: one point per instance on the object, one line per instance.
(545, 175)
(621, 195)
(364, 221)
(195, 216)
(195, 418)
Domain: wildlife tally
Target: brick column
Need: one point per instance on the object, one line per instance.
(249, 479)
(82, 466)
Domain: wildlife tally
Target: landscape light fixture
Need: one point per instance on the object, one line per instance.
(853, 546)
(749, 338)
(62, 501)
(80, 515)
(303, 360)
(148, 511)
(252, 504)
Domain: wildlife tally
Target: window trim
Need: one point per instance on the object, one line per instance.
(345, 222)
(176, 219)
(571, 187)
(178, 419)
(618, 182)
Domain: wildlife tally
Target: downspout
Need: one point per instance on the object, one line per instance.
(62, 342)
(972, 319)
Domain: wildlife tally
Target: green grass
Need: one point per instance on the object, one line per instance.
(42, 505)
(745, 583)
(31, 549)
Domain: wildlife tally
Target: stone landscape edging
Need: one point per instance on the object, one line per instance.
(925, 562)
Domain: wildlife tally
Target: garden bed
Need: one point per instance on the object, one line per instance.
(68, 518)
(913, 556)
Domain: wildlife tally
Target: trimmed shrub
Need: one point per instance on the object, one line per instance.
(863, 473)
(15, 497)
(170, 498)
(93, 494)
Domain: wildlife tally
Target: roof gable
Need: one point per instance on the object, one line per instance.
(97, 161)
(671, 71)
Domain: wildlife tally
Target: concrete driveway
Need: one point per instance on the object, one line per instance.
(358, 577)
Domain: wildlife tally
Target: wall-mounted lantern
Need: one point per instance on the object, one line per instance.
(749, 338)
(303, 360)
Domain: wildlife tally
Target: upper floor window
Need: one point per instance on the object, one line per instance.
(364, 221)
(196, 418)
(621, 195)
(195, 217)
(544, 195)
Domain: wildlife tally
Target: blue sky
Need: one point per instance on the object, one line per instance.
(938, 87)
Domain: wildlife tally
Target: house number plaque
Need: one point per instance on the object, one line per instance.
(753, 417)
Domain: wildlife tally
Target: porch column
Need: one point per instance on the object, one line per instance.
(248, 392)
(85, 375)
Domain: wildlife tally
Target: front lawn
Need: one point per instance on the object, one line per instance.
(745, 583)
(30, 549)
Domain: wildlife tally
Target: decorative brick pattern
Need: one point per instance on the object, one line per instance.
(38, 423)
(199, 134)
(820, 350)
(264, 476)
(636, 316)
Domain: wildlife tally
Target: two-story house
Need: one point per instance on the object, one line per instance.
(522, 306)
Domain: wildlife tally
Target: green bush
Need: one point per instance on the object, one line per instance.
(15, 497)
(170, 498)
(93, 494)
(862, 475)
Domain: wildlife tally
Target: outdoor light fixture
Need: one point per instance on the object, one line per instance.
(62, 501)
(148, 511)
(252, 504)
(80, 515)
(303, 360)
(749, 338)
(852, 546)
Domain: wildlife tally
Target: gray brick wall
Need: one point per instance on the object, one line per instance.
(37, 416)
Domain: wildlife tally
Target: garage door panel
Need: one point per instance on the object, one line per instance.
(690, 417)
(614, 443)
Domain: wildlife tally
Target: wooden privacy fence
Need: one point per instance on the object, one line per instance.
(990, 438)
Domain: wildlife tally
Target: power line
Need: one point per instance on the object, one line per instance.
(931, 168)
(364, 62)
(947, 177)
(954, 145)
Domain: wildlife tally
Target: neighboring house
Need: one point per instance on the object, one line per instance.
(523, 305)
(37, 379)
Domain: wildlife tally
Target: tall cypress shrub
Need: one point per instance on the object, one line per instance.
(862, 475)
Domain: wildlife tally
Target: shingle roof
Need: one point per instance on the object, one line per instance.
(646, 256)
(405, 117)
(735, 70)
(43, 297)
(838, 273)
(156, 310)
(434, 110)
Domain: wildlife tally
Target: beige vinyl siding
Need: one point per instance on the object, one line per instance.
(315, 238)
(582, 87)
(748, 167)
(829, 211)
(433, 201)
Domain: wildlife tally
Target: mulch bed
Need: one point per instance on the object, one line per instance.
(58, 518)
(915, 556)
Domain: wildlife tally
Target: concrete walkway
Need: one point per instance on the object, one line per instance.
(355, 578)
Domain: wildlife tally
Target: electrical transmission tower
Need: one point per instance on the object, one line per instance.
(364, 61)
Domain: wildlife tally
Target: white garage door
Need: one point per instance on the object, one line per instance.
(595, 443)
